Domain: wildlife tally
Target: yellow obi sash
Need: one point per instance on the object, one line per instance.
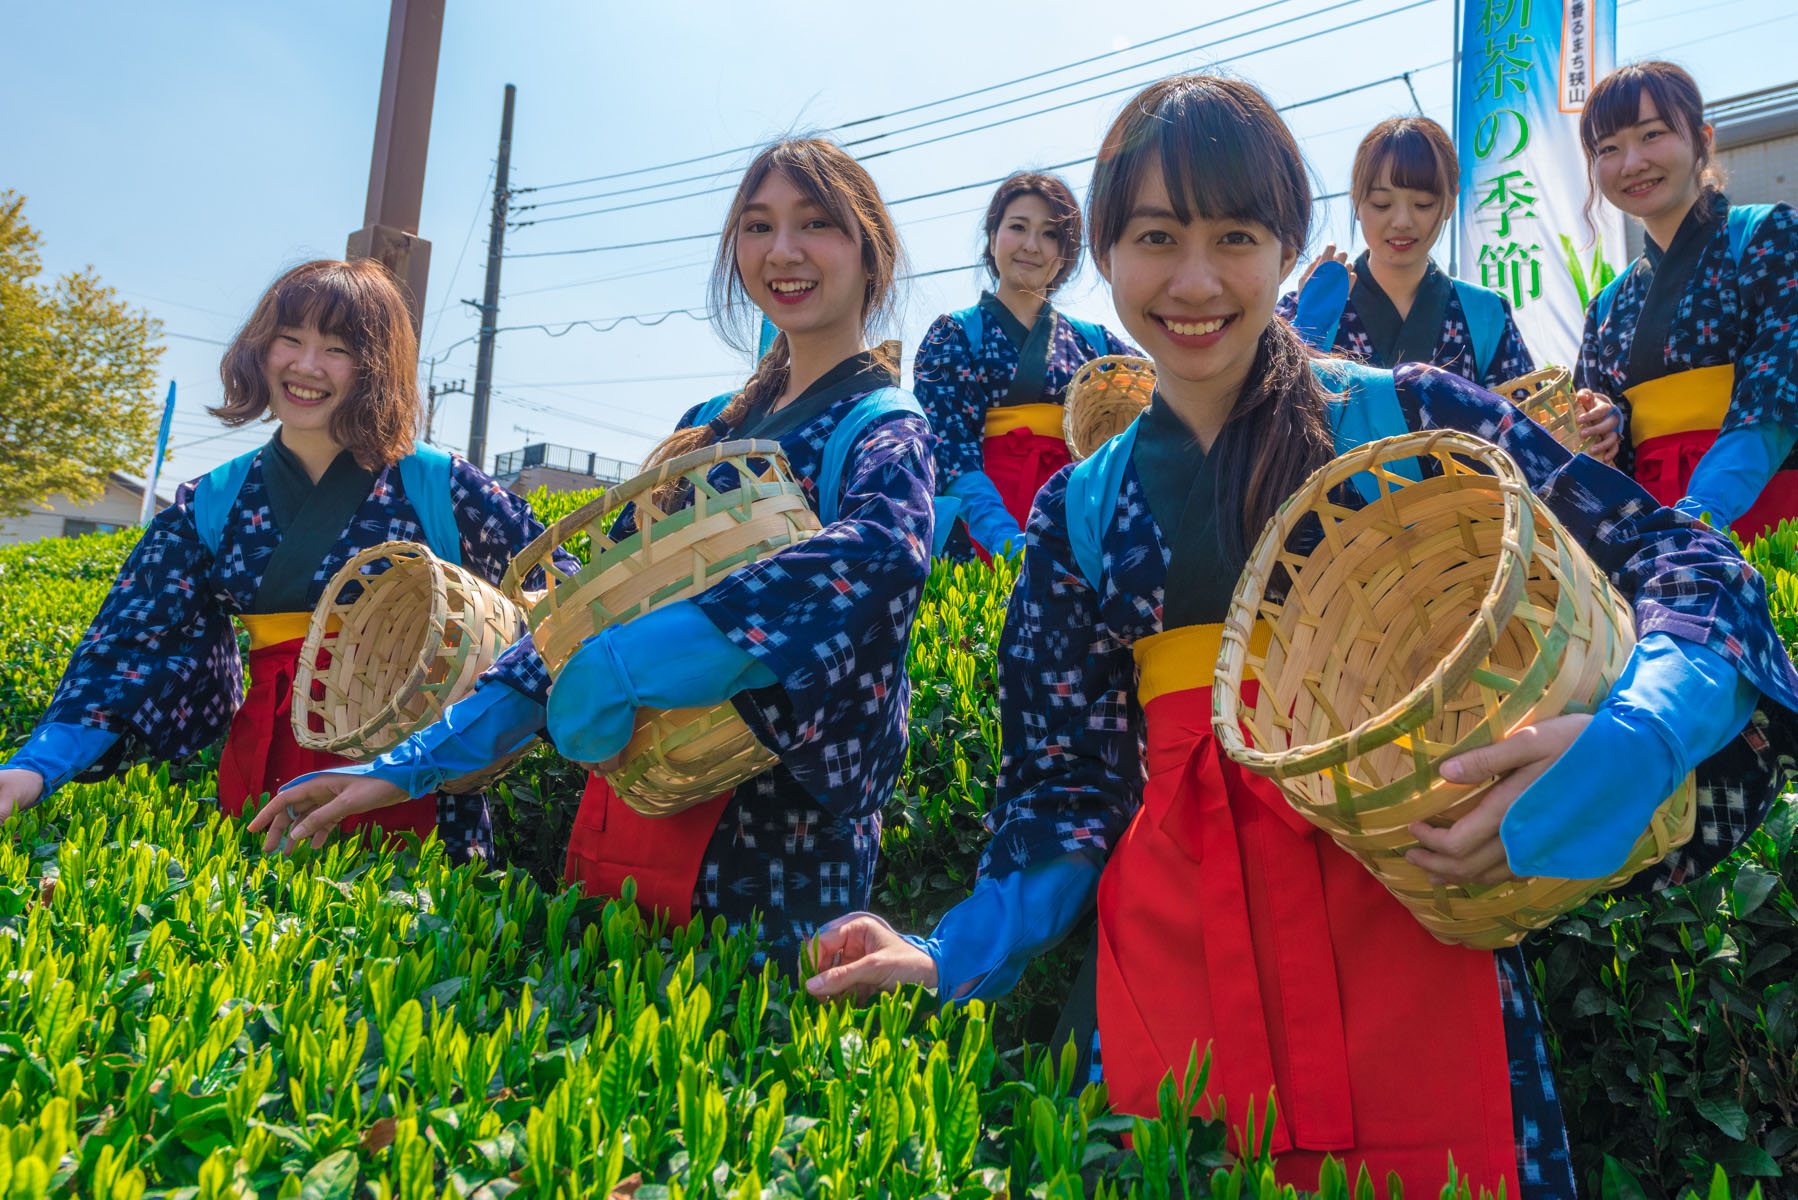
(271, 629)
(1695, 399)
(1044, 419)
(1178, 660)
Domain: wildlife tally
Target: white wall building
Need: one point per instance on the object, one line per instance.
(60, 516)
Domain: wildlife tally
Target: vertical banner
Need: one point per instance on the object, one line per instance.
(1526, 67)
(162, 445)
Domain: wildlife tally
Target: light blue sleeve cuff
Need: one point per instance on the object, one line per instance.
(474, 733)
(1320, 304)
(59, 752)
(984, 943)
(672, 657)
(989, 521)
(1730, 476)
(1676, 704)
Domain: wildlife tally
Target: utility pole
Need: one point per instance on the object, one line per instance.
(496, 246)
(396, 176)
(458, 388)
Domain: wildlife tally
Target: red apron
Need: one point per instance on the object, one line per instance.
(261, 755)
(1674, 420)
(1023, 447)
(1227, 921)
(612, 840)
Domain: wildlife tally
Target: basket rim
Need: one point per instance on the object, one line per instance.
(1508, 579)
(537, 552)
(317, 626)
(1553, 373)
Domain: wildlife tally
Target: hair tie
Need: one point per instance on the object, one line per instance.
(720, 429)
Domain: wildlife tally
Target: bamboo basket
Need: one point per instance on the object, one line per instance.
(678, 757)
(411, 641)
(1105, 395)
(1549, 402)
(1444, 615)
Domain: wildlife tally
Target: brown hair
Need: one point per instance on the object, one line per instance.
(827, 176)
(1064, 220)
(1616, 103)
(358, 302)
(1225, 154)
(1418, 152)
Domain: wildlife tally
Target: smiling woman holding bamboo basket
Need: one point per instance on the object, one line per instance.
(732, 659)
(1270, 650)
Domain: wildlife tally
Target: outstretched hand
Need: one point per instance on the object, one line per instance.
(308, 812)
(19, 790)
(862, 954)
(1469, 851)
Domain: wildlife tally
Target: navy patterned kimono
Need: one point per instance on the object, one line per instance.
(160, 665)
(1372, 331)
(957, 383)
(831, 617)
(1072, 770)
(1744, 314)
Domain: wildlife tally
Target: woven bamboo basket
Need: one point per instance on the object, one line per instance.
(1105, 395)
(407, 643)
(1548, 401)
(678, 757)
(1444, 615)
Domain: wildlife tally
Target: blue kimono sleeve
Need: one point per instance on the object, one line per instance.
(982, 945)
(1730, 476)
(831, 617)
(990, 523)
(945, 382)
(1681, 578)
(1070, 768)
(60, 752)
(1675, 705)
(1766, 387)
(1114, 344)
(159, 664)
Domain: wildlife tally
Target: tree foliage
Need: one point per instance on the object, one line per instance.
(77, 377)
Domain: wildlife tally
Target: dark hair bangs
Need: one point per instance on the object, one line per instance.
(326, 300)
(1412, 163)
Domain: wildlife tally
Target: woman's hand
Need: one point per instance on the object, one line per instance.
(1599, 422)
(1330, 254)
(1469, 851)
(19, 790)
(863, 954)
(310, 811)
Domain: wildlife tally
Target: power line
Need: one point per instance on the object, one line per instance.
(931, 141)
(1297, 104)
(900, 112)
(473, 224)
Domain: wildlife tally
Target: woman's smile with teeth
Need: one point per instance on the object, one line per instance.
(1195, 328)
(305, 393)
(790, 286)
(1636, 189)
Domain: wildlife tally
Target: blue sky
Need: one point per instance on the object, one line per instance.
(190, 151)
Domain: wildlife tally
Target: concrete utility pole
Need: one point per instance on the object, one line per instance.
(496, 248)
(396, 177)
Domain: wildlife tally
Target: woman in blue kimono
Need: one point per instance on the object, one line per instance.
(992, 377)
(1225, 920)
(330, 355)
(809, 643)
(1698, 338)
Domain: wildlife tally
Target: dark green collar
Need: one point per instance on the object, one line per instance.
(311, 519)
(853, 376)
(1179, 480)
(1396, 339)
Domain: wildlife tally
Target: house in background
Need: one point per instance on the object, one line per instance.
(115, 509)
(558, 468)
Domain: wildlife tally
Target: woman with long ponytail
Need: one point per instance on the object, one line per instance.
(1226, 924)
(808, 643)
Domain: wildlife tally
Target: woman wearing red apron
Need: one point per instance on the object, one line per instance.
(330, 355)
(991, 377)
(1225, 922)
(808, 643)
(1698, 338)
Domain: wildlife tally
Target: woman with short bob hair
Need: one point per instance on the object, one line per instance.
(329, 357)
(1697, 340)
(992, 376)
(1227, 924)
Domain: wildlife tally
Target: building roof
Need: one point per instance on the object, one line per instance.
(135, 485)
(1754, 116)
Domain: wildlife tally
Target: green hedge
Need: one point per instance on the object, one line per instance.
(1672, 1018)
